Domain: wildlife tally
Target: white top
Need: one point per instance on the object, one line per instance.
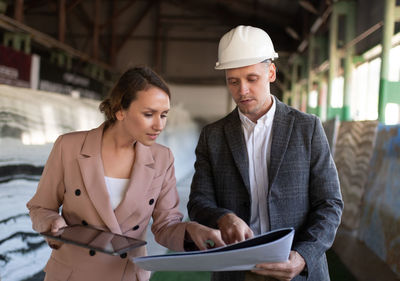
(116, 188)
(258, 143)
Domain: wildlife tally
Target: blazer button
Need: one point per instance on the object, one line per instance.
(151, 202)
(123, 256)
(77, 192)
(84, 222)
(136, 227)
(92, 252)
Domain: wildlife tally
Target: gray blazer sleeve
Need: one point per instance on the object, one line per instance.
(317, 234)
(203, 206)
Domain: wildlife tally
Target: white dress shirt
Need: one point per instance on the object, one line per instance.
(258, 143)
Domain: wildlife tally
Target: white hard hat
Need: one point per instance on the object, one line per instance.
(243, 46)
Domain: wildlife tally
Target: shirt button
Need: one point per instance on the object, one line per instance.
(136, 227)
(123, 256)
(92, 252)
(77, 192)
(151, 202)
(84, 222)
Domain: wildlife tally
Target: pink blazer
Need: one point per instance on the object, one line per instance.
(74, 179)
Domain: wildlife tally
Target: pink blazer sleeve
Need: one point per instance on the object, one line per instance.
(45, 204)
(168, 228)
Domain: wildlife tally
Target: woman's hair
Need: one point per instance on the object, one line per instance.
(135, 79)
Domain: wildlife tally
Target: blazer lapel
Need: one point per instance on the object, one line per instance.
(92, 171)
(141, 178)
(281, 131)
(235, 138)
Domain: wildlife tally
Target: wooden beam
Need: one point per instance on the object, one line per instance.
(19, 10)
(84, 18)
(249, 11)
(96, 29)
(183, 21)
(135, 25)
(61, 20)
(48, 41)
(68, 30)
(118, 13)
(307, 5)
(72, 5)
(113, 44)
(32, 5)
(89, 24)
(157, 42)
(169, 38)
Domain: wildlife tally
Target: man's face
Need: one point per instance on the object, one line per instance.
(249, 87)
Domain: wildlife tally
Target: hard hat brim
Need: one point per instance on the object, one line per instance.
(240, 63)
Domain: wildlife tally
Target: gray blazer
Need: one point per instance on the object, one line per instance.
(304, 191)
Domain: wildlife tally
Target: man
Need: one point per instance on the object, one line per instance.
(265, 166)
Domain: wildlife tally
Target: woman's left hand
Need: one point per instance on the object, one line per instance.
(55, 226)
(204, 237)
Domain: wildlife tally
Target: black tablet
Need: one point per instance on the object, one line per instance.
(95, 239)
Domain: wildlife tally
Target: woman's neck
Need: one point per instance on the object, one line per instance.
(115, 139)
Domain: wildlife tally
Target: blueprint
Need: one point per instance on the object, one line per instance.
(273, 246)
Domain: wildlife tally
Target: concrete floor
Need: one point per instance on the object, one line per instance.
(364, 264)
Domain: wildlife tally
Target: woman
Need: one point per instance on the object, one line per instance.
(115, 177)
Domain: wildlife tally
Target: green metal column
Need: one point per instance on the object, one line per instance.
(285, 69)
(61, 59)
(294, 79)
(304, 97)
(388, 30)
(350, 10)
(321, 108)
(311, 76)
(333, 56)
(321, 43)
(18, 41)
(286, 92)
(302, 81)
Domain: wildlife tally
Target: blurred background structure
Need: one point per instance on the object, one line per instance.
(338, 59)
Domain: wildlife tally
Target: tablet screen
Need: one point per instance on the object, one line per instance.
(95, 239)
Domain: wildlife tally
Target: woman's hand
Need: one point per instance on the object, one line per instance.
(203, 236)
(234, 229)
(55, 226)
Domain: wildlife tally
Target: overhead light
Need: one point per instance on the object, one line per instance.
(303, 45)
(377, 50)
(308, 6)
(316, 25)
(323, 67)
(292, 33)
(372, 53)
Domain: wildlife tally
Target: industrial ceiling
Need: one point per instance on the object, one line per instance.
(287, 21)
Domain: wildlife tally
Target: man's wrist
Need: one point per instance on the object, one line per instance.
(304, 272)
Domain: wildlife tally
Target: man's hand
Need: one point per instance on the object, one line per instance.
(233, 229)
(204, 236)
(284, 271)
(55, 226)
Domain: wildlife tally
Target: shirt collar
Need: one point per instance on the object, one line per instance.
(263, 120)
